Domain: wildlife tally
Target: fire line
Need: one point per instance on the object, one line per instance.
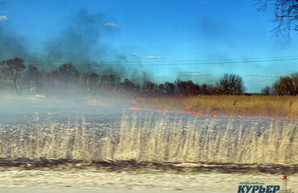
(211, 115)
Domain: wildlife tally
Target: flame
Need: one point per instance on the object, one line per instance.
(186, 110)
(210, 115)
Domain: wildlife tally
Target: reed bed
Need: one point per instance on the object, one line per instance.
(254, 105)
(154, 137)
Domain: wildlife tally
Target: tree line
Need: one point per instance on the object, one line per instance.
(67, 79)
(285, 85)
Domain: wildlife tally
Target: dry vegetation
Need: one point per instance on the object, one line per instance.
(154, 138)
(254, 105)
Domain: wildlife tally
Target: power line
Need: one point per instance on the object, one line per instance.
(176, 62)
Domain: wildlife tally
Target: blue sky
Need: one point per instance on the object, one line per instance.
(190, 39)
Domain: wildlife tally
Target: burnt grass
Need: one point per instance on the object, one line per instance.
(145, 167)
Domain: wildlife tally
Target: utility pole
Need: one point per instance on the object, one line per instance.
(285, 189)
(285, 179)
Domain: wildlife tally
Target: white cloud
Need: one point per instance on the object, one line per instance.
(152, 57)
(3, 18)
(111, 24)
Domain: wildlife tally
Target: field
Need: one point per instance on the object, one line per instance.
(107, 143)
(232, 105)
(78, 131)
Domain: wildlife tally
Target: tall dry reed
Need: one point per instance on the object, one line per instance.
(155, 137)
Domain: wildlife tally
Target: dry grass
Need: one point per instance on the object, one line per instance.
(255, 105)
(155, 137)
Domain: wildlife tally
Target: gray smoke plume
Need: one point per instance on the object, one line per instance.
(79, 42)
(11, 45)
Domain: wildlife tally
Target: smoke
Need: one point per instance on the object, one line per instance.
(11, 44)
(79, 42)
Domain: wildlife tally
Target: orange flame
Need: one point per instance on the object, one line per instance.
(211, 115)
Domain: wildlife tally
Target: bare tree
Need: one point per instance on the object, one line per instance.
(266, 90)
(129, 86)
(286, 14)
(149, 87)
(68, 76)
(110, 81)
(33, 78)
(89, 82)
(231, 84)
(187, 88)
(12, 70)
(167, 88)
